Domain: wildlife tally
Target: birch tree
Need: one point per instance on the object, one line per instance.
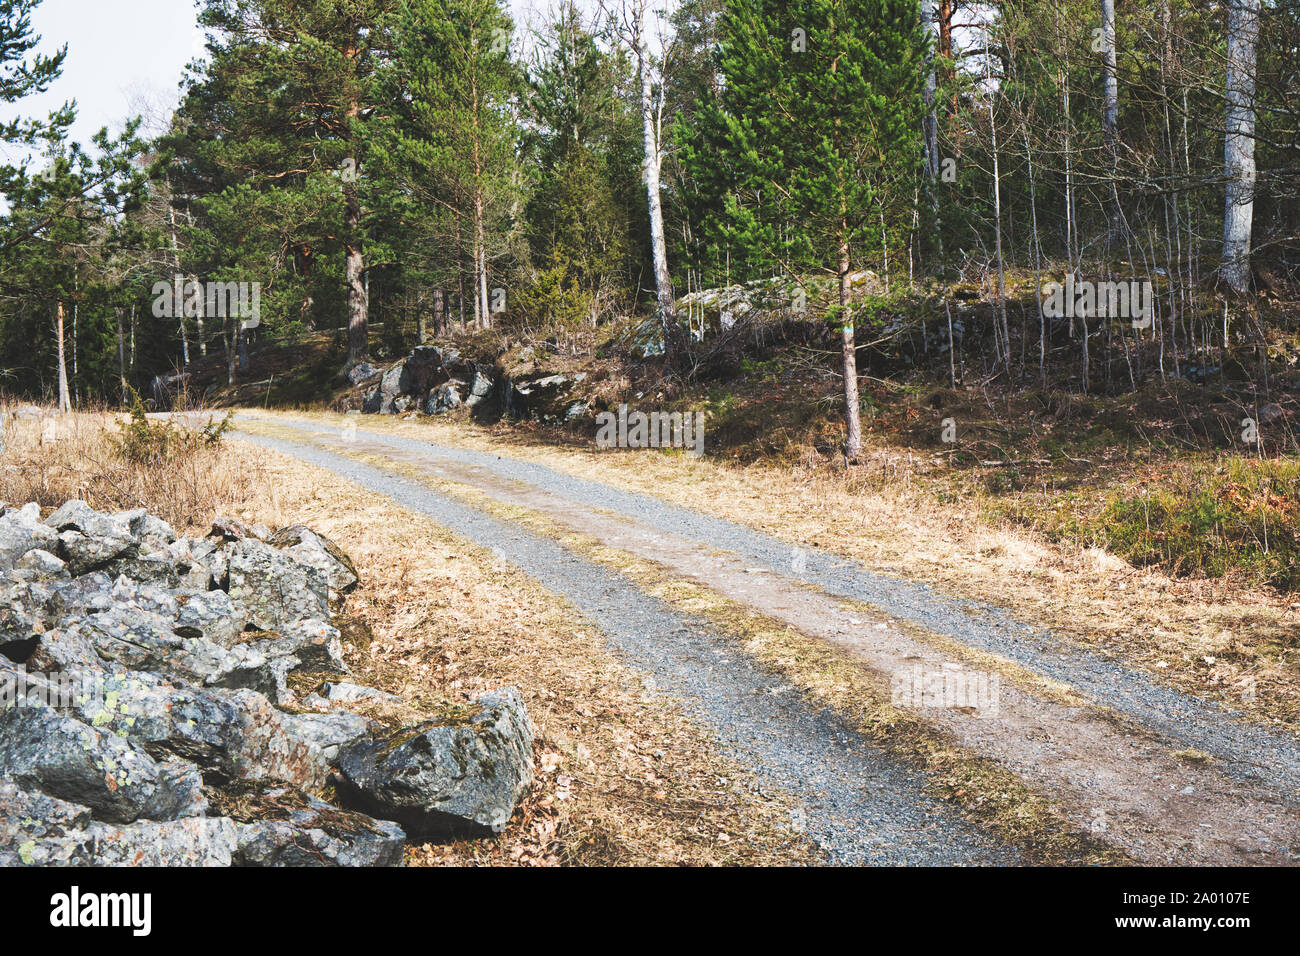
(1110, 114)
(630, 21)
(1239, 142)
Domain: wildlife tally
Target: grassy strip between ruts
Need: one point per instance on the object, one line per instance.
(624, 777)
(986, 793)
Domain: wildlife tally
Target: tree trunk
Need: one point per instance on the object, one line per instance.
(997, 234)
(931, 122)
(358, 320)
(1239, 142)
(852, 414)
(121, 356)
(673, 345)
(481, 288)
(198, 320)
(946, 8)
(65, 401)
(176, 259)
(481, 308)
(355, 268)
(231, 348)
(1110, 114)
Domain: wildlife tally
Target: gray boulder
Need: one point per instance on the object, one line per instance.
(480, 388)
(312, 647)
(444, 399)
(146, 569)
(462, 775)
(274, 589)
(141, 640)
(422, 370)
(230, 735)
(343, 692)
(83, 595)
(44, 750)
(29, 815)
(91, 552)
(314, 550)
(76, 515)
(210, 615)
(20, 532)
(149, 531)
(196, 842)
(300, 830)
(40, 565)
(382, 399)
(328, 733)
(205, 841)
(362, 372)
(58, 650)
(232, 529)
(19, 632)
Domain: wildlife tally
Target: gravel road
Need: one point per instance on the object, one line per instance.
(856, 802)
(1243, 749)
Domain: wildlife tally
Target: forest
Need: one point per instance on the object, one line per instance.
(396, 170)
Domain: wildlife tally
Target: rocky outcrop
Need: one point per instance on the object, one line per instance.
(436, 382)
(148, 717)
(544, 398)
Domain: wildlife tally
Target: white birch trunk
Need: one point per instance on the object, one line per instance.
(1239, 142)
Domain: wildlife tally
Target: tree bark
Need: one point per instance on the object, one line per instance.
(652, 168)
(931, 123)
(1110, 114)
(852, 413)
(121, 356)
(1239, 142)
(358, 317)
(481, 308)
(65, 401)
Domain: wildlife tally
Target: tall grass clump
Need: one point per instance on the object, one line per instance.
(180, 468)
(1235, 516)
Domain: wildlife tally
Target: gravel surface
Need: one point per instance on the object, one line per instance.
(1245, 750)
(858, 803)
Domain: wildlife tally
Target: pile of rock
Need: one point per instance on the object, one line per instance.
(148, 711)
(437, 381)
(430, 380)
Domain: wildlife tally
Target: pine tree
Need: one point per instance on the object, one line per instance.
(273, 134)
(453, 143)
(577, 228)
(818, 121)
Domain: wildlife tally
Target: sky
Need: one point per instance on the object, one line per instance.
(127, 57)
(124, 57)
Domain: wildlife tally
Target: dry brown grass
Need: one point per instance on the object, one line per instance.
(1214, 638)
(624, 777)
(52, 458)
